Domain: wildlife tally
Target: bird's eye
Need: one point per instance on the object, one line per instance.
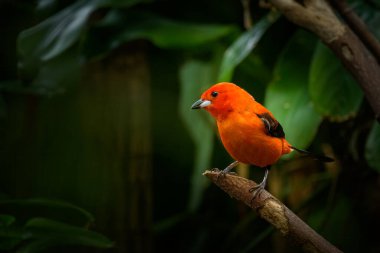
(214, 94)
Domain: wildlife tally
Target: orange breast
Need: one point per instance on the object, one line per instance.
(245, 139)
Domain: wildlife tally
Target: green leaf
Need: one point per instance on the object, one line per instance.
(57, 33)
(54, 35)
(120, 3)
(170, 34)
(11, 236)
(52, 77)
(42, 44)
(52, 233)
(334, 92)
(6, 220)
(287, 95)
(37, 246)
(195, 77)
(372, 148)
(243, 46)
(26, 208)
(119, 27)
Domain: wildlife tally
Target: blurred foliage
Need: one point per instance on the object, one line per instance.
(29, 232)
(329, 99)
(243, 46)
(90, 88)
(200, 74)
(372, 148)
(119, 27)
(288, 95)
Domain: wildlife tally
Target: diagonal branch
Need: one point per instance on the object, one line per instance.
(358, 26)
(275, 212)
(318, 17)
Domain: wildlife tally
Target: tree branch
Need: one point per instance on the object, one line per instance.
(247, 14)
(358, 26)
(318, 17)
(273, 211)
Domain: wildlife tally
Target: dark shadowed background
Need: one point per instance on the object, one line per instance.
(100, 151)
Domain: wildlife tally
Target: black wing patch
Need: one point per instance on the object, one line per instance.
(272, 126)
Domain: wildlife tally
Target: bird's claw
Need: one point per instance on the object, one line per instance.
(223, 173)
(220, 174)
(257, 190)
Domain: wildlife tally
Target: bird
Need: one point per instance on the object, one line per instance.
(249, 132)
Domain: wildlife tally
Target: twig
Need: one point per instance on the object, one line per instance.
(273, 211)
(247, 14)
(358, 26)
(318, 16)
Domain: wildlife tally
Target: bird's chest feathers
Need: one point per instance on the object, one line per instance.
(239, 129)
(244, 136)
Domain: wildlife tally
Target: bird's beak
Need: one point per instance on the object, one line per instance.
(200, 104)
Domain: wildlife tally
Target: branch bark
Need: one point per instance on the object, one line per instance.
(358, 27)
(275, 212)
(319, 17)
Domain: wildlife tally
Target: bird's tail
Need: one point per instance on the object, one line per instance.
(321, 158)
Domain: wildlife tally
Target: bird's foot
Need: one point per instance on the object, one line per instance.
(227, 170)
(257, 190)
(223, 173)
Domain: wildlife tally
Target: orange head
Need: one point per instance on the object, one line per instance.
(222, 99)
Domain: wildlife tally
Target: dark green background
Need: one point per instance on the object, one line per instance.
(100, 151)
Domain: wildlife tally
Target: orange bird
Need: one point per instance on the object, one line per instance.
(248, 130)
